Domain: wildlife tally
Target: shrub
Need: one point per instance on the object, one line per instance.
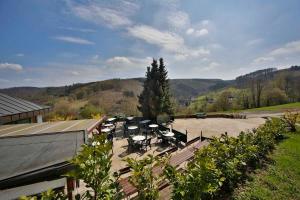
(128, 93)
(221, 165)
(48, 195)
(92, 165)
(143, 178)
(291, 119)
(88, 111)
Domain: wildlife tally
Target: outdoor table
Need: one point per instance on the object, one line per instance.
(138, 138)
(105, 130)
(129, 118)
(108, 125)
(145, 121)
(132, 127)
(111, 119)
(169, 134)
(153, 126)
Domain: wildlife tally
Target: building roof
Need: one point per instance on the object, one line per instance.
(17, 130)
(40, 151)
(11, 106)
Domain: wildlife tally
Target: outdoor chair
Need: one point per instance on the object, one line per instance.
(159, 135)
(110, 138)
(130, 144)
(146, 143)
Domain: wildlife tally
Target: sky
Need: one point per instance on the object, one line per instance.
(61, 42)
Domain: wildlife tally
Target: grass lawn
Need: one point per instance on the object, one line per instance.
(280, 180)
(282, 107)
(278, 108)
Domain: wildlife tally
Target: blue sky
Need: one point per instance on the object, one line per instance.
(59, 42)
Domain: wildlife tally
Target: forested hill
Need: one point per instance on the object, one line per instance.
(120, 95)
(265, 87)
(182, 89)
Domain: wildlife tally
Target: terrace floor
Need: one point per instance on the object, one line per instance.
(209, 127)
(120, 150)
(215, 126)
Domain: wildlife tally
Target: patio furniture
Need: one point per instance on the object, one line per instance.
(129, 118)
(167, 136)
(146, 143)
(112, 119)
(108, 125)
(110, 138)
(201, 115)
(105, 130)
(138, 138)
(143, 125)
(133, 129)
(153, 127)
(131, 144)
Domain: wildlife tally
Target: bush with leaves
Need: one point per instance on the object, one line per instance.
(291, 119)
(201, 179)
(48, 195)
(144, 178)
(220, 166)
(92, 165)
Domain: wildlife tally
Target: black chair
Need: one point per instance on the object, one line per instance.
(159, 134)
(131, 144)
(146, 143)
(110, 138)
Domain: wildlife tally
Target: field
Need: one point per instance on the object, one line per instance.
(278, 108)
(280, 180)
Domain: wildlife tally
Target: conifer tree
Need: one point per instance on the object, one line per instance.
(155, 98)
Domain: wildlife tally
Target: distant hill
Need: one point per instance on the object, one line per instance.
(182, 89)
(115, 95)
(266, 87)
(121, 95)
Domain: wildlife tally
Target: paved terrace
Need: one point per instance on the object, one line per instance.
(215, 126)
(210, 127)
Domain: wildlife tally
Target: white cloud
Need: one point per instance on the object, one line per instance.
(197, 33)
(108, 15)
(168, 41)
(260, 60)
(75, 73)
(127, 63)
(20, 54)
(4, 80)
(190, 31)
(74, 40)
(95, 57)
(211, 66)
(11, 66)
(28, 79)
(254, 42)
(84, 30)
(205, 22)
(178, 19)
(201, 32)
(288, 48)
(291, 49)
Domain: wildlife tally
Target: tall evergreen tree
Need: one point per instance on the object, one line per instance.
(166, 106)
(155, 98)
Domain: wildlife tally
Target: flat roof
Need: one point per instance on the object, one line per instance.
(11, 106)
(16, 130)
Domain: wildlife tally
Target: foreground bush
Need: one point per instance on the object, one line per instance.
(143, 177)
(219, 167)
(92, 165)
(291, 119)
